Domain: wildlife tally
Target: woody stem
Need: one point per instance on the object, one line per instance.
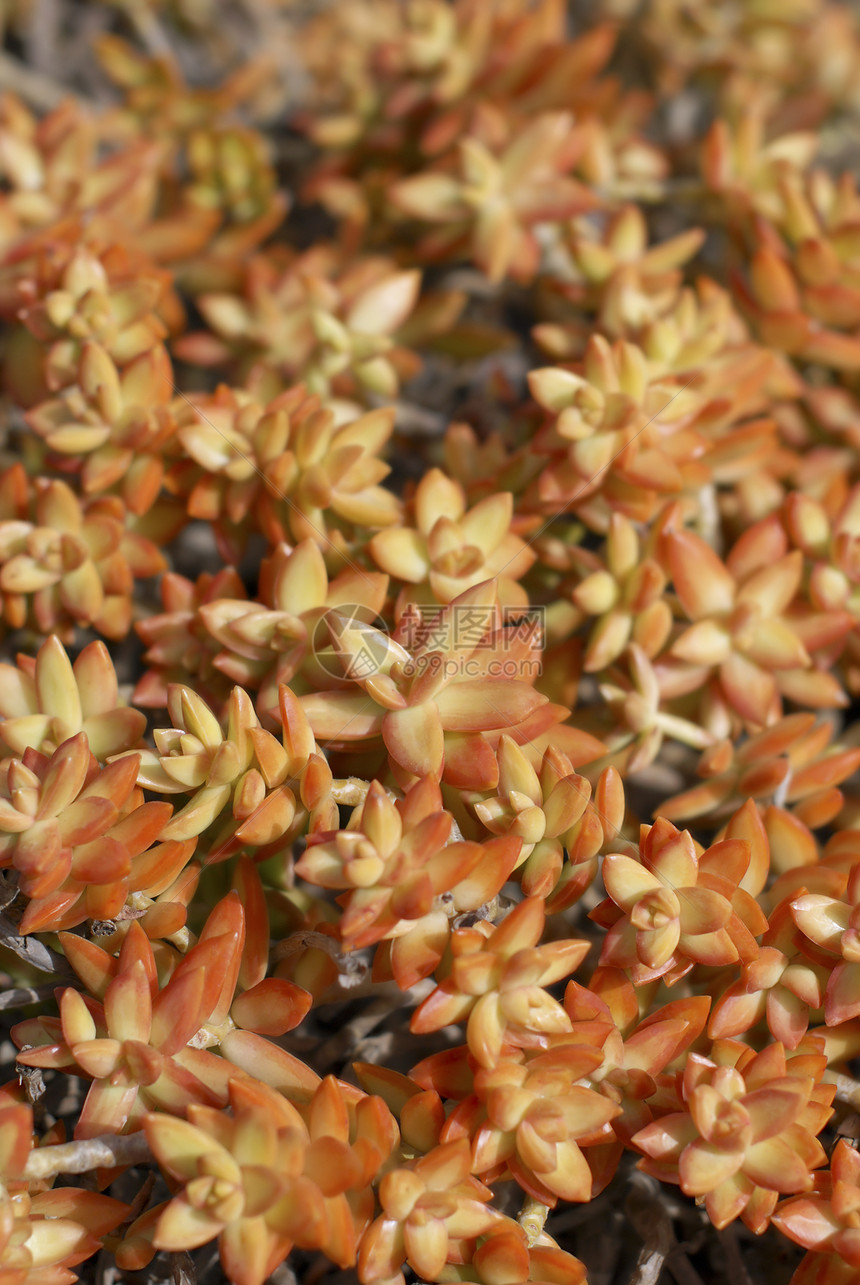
(106, 1152)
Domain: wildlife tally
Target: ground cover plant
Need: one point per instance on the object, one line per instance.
(430, 610)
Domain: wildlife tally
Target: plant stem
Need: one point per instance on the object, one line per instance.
(532, 1218)
(106, 1152)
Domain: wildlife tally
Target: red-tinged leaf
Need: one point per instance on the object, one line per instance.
(447, 1165)
(245, 1248)
(97, 1213)
(41, 861)
(53, 1241)
(103, 861)
(78, 1017)
(414, 739)
(555, 1266)
(485, 1032)
(498, 856)
(272, 1007)
(382, 1251)
(845, 1163)
(822, 919)
(565, 805)
(155, 870)
(619, 946)
(666, 1138)
(302, 1214)
(128, 1004)
(530, 1183)
(255, 953)
(731, 1198)
(59, 910)
(773, 1109)
(443, 1007)
(749, 917)
(587, 839)
(340, 1243)
(486, 704)
(47, 1055)
(94, 966)
(704, 1165)
(586, 1112)
(219, 950)
(395, 1089)
(749, 689)
(426, 1245)
(270, 821)
(448, 1072)
(142, 826)
(491, 1148)
(144, 1063)
(842, 998)
(105, 1110)
(470, 763)
(790, 841)
(558, 959)
(609, 993)
(182, 1227)
(737, 1011)
(692, 1011)
(774, 1164)
(421, 1123)
(570, 1177)
(542, 871)
(136, 947)
(164, 918)
(16, 1136)
(775, 645)
(655, 947)
(274, 1066)
(728, 859)
(813, 687)
(522, 928)
(808, 1221)
(178, 1011)
(65, 777)
(331, 1164)
(192, 1077)
(651, 1048)
(747, 824)
(627, 880)
(505, 1256)
(714, 949)
(695, 802)
(342, 715)
(104, 900)
(97, 1057)
(455, 861)
(413, 898)
(572, 884)
(702, 910)
(701, 581)
(787, 1017)
(179, 1146)
(116, 781)
(85, 819)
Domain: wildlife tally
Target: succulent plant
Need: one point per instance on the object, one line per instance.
(429, 481)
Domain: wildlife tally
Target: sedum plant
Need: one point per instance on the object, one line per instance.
(429, 518)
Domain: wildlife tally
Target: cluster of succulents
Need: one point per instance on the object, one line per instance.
(377, 606)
